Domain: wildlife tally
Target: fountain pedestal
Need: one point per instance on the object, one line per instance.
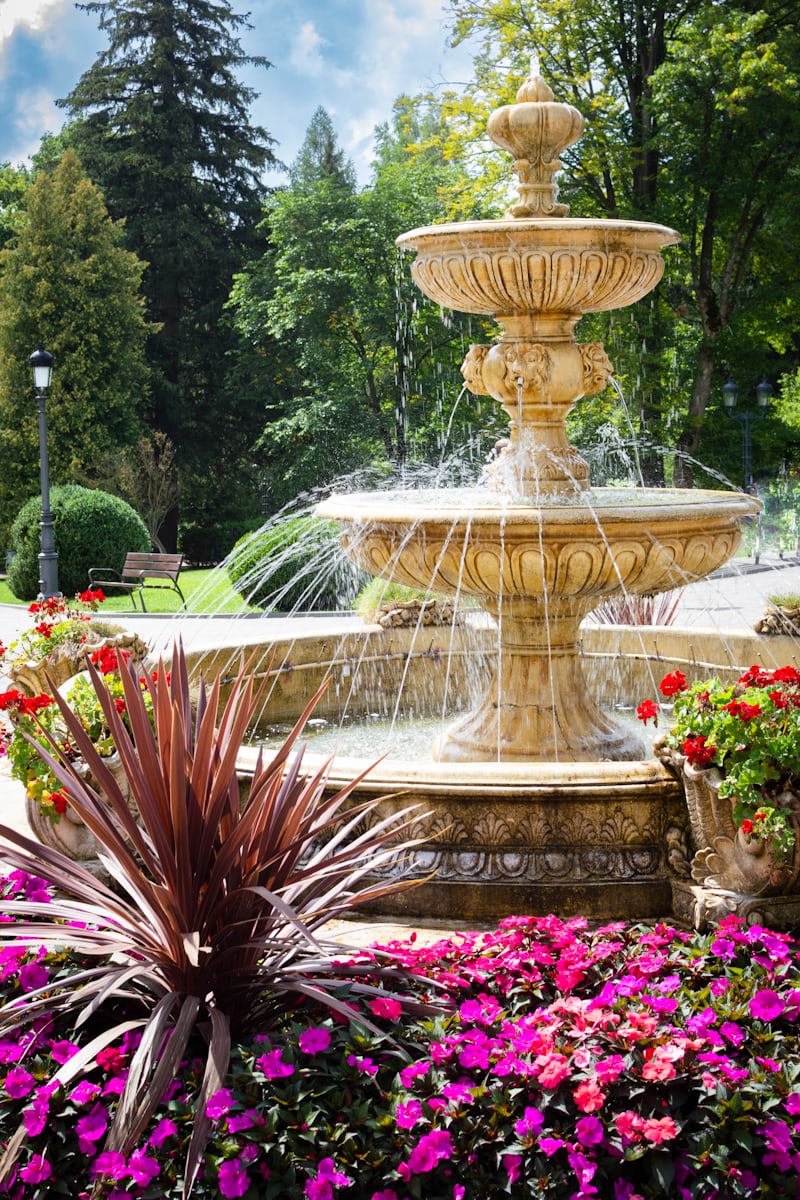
(538, 706)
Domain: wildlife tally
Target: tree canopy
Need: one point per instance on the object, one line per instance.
(360, 354)
(67, 281)
(691, 120)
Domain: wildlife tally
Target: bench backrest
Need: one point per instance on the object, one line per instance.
(165, 564)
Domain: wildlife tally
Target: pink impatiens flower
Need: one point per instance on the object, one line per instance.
(588, 1096)
(165, 1129)
(19, 1083)
(91, 1128)
(530, 1124)
(110, 1163)
(766, 1005)
(219, 1104)
(429, 1151)
(143, 1168)
(33, 976)
(37, 1170)
(513, 1166)
(386, 1006)
(314, 1040)
(327, 1179)
(658, 1130)
(272, 1065)
(413, 1071)
(408, 1114)
(233, 1178)
(589, 1131)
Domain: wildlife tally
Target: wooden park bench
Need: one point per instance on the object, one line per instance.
(139, 572)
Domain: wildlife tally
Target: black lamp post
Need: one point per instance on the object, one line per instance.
(747, 418)
(42, 365)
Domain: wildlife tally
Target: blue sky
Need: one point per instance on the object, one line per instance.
(351, 56)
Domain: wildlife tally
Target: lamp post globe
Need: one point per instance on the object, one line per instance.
(41, 363)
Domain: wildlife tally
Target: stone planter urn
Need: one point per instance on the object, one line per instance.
(731, 871)
(68, 658)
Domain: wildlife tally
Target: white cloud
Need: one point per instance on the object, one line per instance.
(306, 50)
(307, 57)
(31, 15)
(36, 115)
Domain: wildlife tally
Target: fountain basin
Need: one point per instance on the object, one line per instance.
(603, 840)
(551, 267)
(469, 542)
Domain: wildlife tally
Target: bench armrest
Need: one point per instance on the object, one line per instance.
(96, 572)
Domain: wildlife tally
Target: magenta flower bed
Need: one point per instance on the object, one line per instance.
(567, 1061)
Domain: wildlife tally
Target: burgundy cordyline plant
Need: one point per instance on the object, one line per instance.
(207, 928)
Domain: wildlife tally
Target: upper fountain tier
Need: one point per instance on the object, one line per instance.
(550, 270)
(538, 262)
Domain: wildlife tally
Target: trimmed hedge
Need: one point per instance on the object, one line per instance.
(91, 529)
(294, 564)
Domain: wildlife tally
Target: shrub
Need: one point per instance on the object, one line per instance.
(207, 545)
(294, 563)
(91, 529)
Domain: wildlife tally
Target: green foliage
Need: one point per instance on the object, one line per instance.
(67, 282)
(382, 591)
(13, 182)
(365, 370)
(91, 529)
(320, 156)
(163, 129)
(294, 563)
(691, 121)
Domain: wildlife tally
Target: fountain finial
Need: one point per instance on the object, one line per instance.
(535, 129)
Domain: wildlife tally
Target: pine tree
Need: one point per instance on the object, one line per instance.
(321, 157)
(67, 281)
(162, 126)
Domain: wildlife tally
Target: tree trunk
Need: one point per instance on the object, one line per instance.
(689, 436)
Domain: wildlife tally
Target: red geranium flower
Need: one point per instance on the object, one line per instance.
(756, 676)
(670, 684)
(647, 710)
(697, 752)
(743, 710)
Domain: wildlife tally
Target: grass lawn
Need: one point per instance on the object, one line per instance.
(206, 591)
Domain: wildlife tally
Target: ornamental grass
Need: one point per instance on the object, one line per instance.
(206, 931)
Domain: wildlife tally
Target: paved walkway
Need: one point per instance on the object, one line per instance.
(734, 598)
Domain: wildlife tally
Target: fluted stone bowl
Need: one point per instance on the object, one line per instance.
(560, 265)
(465, 541)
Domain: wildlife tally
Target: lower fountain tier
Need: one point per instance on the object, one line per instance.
(599, 840)
(540, 570)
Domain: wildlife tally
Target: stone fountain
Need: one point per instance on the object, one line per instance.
(538, 547)
(537, 800)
